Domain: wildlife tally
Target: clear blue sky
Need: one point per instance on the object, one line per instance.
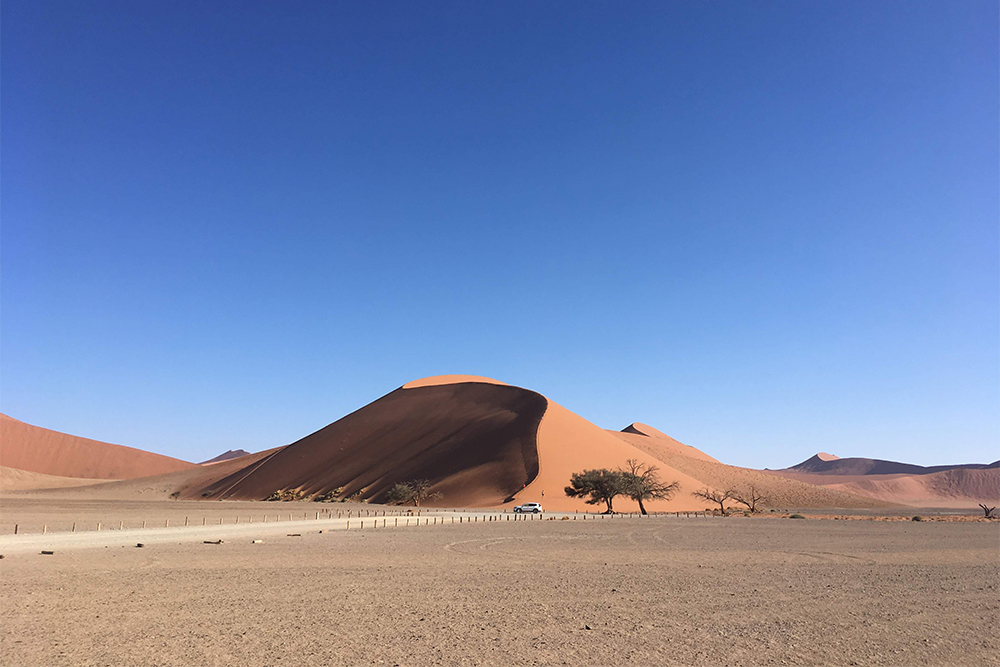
(768, 229)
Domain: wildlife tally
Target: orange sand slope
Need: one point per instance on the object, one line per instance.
(12, 479)
(778, 491)
(656, 443)
(40, 450)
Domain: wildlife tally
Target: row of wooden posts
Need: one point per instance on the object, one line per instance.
(395, 513)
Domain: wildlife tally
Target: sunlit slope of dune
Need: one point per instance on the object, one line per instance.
(41, 450)
(779, 491)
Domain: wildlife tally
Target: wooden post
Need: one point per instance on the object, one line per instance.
(121, 525)
(74, 527)
(348, 524)
(45, 529)
(98, 526)
(237, 518)
(395, 522)
(185, 521)
(166, 524)
(317, 516)
(15, 529)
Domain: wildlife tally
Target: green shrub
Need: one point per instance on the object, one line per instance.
(796, 516)
(917, 518)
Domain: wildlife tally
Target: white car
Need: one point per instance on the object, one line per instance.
(534, 508)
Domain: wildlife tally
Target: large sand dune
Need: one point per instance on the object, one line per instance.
(41, 450)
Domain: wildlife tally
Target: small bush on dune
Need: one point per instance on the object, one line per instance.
(796, 516)
(285, 495)
(917, 518)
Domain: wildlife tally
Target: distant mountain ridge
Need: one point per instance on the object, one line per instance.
(825, 464)
(225, 456)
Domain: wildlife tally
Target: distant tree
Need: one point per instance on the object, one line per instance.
(750, 496)
(641, 481)
(988, 511)
(415, 492)
(718, 497)
(598, 486)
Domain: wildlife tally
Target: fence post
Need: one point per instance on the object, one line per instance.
(74, 527)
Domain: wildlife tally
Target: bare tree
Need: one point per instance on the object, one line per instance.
(719, 497)
(750, 496)
(988, 511)
(642, 482)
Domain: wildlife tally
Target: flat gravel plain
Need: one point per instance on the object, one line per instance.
(657, 591)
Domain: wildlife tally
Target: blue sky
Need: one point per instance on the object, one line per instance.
(768, 229)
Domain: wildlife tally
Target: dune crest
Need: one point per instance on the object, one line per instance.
(436, 380)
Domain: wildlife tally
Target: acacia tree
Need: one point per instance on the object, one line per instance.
(598, 486)
(750, 496)
(642, 482)
(415, 492)
(719, 497)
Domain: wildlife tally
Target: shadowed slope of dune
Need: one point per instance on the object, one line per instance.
(41, 450)
(475, 441)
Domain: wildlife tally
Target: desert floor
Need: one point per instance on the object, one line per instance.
(705, 591)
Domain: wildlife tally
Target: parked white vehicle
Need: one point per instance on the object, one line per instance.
(534, 508)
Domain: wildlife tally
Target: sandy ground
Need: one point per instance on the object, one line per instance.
(703, 591)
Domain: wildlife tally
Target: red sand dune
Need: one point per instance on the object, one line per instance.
(37, 449)
(478, 442)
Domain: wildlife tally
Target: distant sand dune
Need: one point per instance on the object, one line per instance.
(961, 487)
(37, 449)
(12, 479)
